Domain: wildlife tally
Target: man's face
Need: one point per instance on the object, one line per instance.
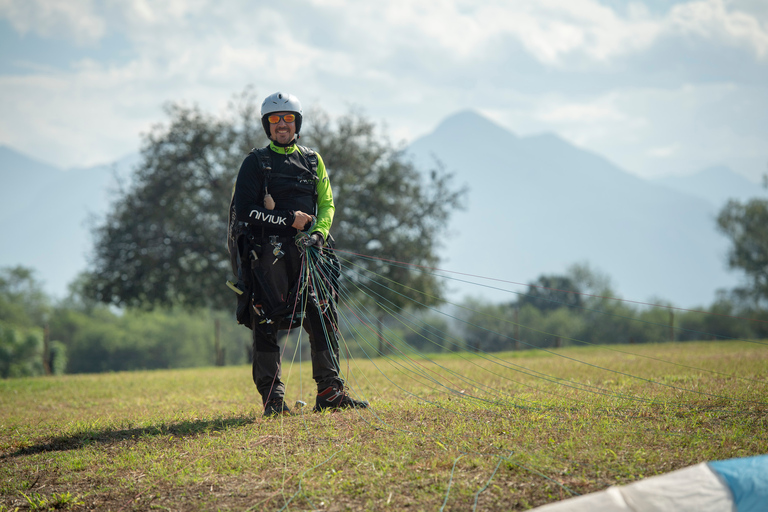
(281, 131)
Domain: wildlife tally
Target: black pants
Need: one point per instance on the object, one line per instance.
(279, 276)
(321, 329)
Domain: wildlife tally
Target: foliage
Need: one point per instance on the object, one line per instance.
(25, 310)
(90, 337)
(58, 358)
(746, 225)
(101, 340)
(164, 242)
(722, 320)
(58, 501)
(550, 292)
(600, 318)
(489, 327)
(429, 334)
(86, 336)
(21, 352)
(22, 300)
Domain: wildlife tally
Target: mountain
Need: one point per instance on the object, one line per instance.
(715, 184)
(538, 204)
(17, 174)
(45, 214)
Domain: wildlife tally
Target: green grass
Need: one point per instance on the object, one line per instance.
(448, 431)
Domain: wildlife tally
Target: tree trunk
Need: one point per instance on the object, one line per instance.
(217, 342)
(47, 350)
(380, 334)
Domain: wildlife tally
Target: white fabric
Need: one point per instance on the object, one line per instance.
(609, 500)
(693, 489)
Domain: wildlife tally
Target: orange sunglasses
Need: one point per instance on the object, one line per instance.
(275, 118)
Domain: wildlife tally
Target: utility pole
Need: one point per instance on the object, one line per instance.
(217, 342)
(671, 325)
(517, 327)
(47, 350)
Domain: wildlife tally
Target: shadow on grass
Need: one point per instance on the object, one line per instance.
(108, 436)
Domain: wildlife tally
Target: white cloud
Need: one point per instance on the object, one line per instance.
(651, 132)
(399, 59)
(599, 111)
(551, 30)
(712, 19)
(664, 152)
(72, 19)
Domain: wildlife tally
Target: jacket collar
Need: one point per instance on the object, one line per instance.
(285, 150)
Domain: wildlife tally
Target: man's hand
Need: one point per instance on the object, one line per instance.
(301, 220)
(317, 240)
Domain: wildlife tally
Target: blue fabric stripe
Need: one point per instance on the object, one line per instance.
(748, 480)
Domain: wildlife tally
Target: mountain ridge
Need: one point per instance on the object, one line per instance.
(46, 214)
(716, 183)
(560, 205)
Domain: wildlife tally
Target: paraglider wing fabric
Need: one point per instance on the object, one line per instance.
(692, 489)
(748, 481)
(609, 500)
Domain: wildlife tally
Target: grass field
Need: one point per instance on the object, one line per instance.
(487, 432)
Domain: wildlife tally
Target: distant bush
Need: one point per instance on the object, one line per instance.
(21, 352)
(101, 340)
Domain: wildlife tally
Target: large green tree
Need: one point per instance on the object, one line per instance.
(163, 243)
(746, 225)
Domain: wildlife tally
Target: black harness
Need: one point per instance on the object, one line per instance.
(268, 266)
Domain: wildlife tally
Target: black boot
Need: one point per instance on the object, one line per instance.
(275, 407)
(330, 387)
(334, 398)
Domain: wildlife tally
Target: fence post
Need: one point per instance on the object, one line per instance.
(217, 342)
(47, 350)
(517, 328)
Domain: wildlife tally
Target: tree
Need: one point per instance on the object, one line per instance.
(24, 311)
(552, 292)
(20, 352)
(746, 224)
(23, 302)
(595, 287)
(489, 327)
(430, 334)
(164, 241)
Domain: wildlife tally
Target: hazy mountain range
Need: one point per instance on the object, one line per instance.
(534, 206)
(538, 204)
(45, 214)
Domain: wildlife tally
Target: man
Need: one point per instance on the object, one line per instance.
(282, 191)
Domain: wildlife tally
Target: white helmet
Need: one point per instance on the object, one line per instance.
(280, 102)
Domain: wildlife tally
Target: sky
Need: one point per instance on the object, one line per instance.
(658, 87)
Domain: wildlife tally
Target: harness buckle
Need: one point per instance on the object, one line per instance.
(277, 251)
